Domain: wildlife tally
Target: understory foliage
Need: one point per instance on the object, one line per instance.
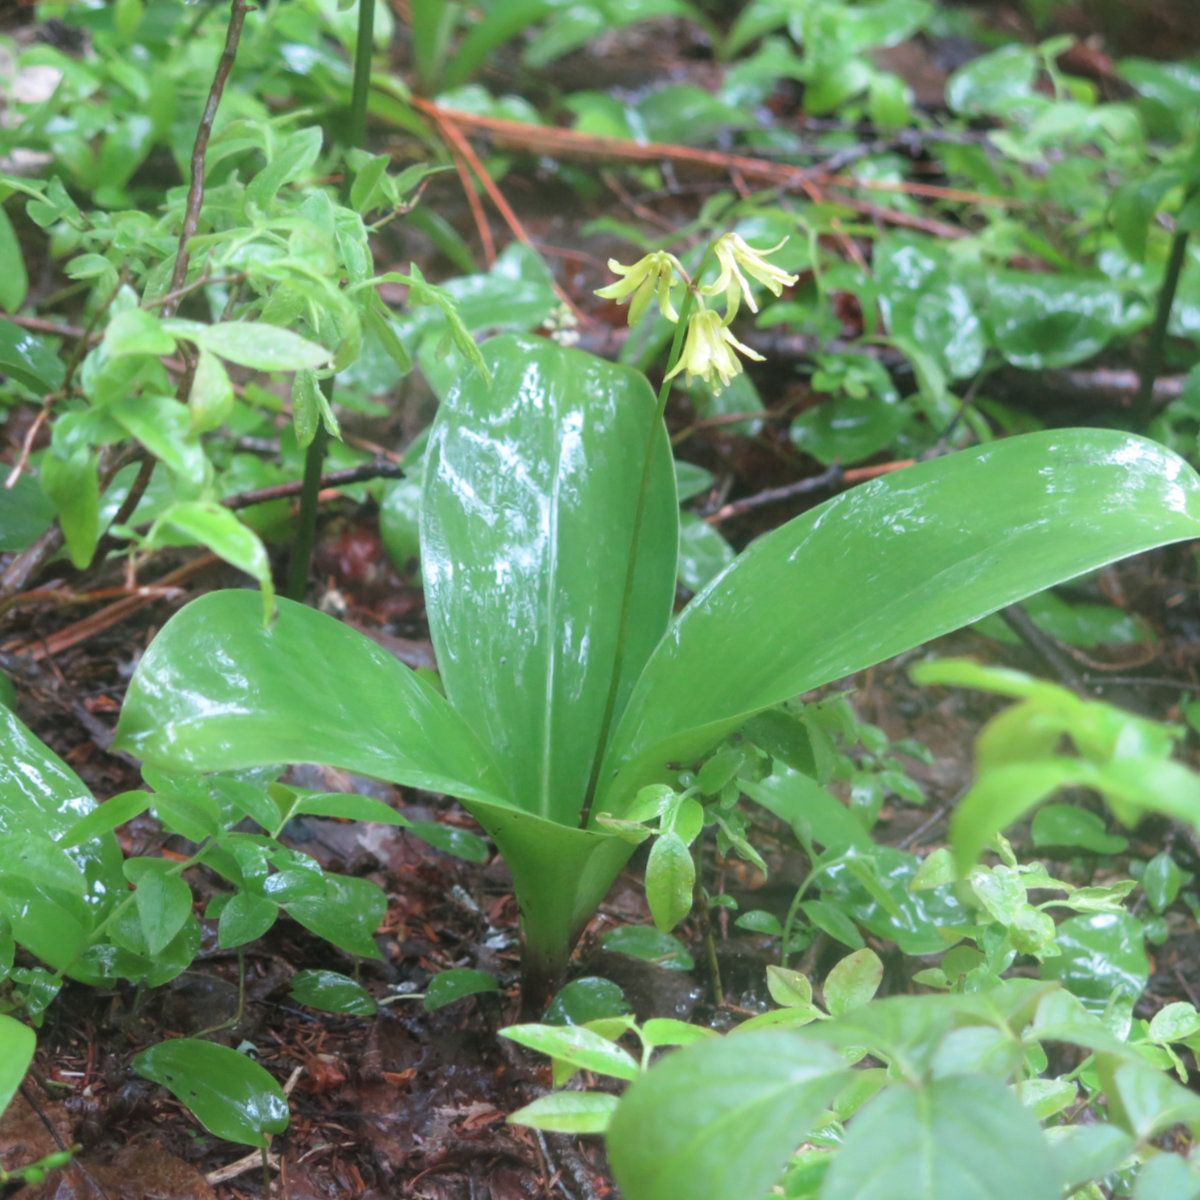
(205, 334)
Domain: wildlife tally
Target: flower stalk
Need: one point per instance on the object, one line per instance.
(708, 351)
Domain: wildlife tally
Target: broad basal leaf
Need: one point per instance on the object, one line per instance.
(216, 691)
(531, 486)
(890, 565)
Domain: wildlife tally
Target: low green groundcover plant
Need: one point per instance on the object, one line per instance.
(967, 1092)
(549, 534)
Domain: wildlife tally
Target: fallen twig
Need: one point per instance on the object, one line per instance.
(831, 477)
(542, 139)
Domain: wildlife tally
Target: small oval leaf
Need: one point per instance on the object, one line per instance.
(229, 1095)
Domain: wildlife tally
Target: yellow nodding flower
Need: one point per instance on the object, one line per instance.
(708, 350)
(653, 275)
(733, 256)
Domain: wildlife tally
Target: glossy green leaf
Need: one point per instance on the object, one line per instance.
(451, 840)
(25, 513)
(290, 163)
(400, 525)
(17, 1043)
(585, 1000)
(1102, 954)
(448, 838)
(560, 875)
(221, 532)
(925, 306)
(39, 793)
(852, 981)
(1144, 1100)
(888, 566)
(1174, 1022)
(1066, 825)
(966, 1135)
(211, 397)
(41, 796)
(106, 817)
(578, 1046)
(348, 807)
(1168, 1177)
(691, 480)
(231, 1096)
(830, 918)
(162, 425)
(251, 344)
(74, 486)
(860, 415)
(1046, 321)
(330, 991)
(347, 913)
(14, 279)
(993, 83)
(789, 988)
(795, 797)
(136, 331)
(719, 1120)
(163, 900)
(650, 944)
(531, 487)
(1083, 1152)
(1162, 880)
(30, 359)
(447, 986)
(670, 880)
(568, 1112)
(666, 1031)
(875, 893)
(244, 918)
(216, 692)
(1085, 625)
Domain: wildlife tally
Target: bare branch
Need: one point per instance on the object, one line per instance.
(195, 197)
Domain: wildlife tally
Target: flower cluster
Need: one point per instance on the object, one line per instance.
(708, 348)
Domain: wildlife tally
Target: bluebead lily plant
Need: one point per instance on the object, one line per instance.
(549, 535)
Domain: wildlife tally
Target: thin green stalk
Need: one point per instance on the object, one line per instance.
(314, 458)
(660, 409)
(306, 520)
(356, 126)
(239, 1010)
(1152, 361)
(700, 902)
